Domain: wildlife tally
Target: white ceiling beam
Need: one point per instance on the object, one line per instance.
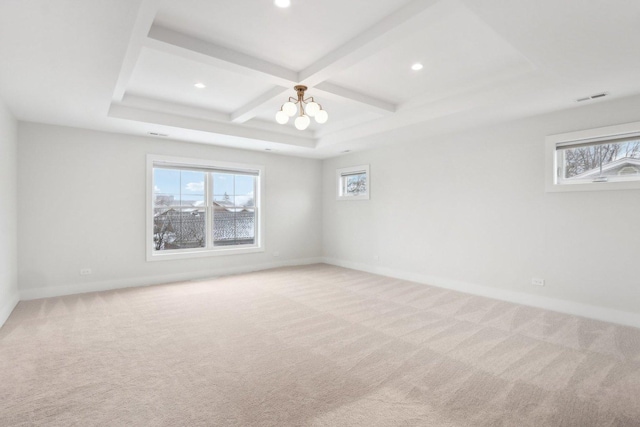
(251, 109)
(374, 104)
(299, 139)
(175, 43)
(398, 25)
(144, 20)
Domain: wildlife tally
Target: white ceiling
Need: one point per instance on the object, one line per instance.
(129, 66)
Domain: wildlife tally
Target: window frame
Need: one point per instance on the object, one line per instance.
(353, 170)
(209, 250)
(603, 134)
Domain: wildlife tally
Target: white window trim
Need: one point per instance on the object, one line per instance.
(350, 170)
(153, 255)
(551, 163)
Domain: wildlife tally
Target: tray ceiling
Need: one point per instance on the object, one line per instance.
(130, 66)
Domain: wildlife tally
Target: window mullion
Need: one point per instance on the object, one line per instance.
(256, 216)
(209, 210)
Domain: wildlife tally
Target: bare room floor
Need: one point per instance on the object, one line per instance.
(311, 346)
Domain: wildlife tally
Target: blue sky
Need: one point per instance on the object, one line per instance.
(189, 185)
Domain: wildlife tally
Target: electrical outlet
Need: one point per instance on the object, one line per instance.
(85, 272)
(537, 281)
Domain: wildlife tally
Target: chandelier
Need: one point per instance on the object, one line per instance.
(304, 108)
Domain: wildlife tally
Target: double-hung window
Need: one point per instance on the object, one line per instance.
(596, 159)
(201, 208)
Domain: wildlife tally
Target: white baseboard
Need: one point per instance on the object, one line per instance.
(80, 288)
(8, 306)
(563, 306)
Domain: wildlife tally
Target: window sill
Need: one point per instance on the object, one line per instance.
(363, 197)
(594, 186)
(202, 253)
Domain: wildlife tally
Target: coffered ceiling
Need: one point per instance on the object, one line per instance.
(130, 66)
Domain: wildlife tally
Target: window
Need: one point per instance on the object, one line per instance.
(199, 208)
(597, 159)
(603, 161)
(353, 183)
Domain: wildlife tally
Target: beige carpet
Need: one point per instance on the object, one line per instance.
(311, 346)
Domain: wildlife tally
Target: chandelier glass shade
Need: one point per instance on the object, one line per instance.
(303, 108)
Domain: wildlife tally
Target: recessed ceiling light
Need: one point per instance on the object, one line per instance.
(200, 85)
(417, 66)
(282, 3)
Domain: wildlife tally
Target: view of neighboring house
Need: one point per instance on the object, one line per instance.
(182, 225)
(621, 167)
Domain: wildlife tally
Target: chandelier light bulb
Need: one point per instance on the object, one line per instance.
(289, 109)
(282, 117)
(302, 122)
(312, 109)
(282, 3)
(322, 116)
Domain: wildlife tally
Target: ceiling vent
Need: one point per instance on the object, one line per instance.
(589, 98)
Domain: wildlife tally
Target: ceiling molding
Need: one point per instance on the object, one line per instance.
(519, 70)
(479, 98)
(122, 111)
(149, 104)
(156, 105)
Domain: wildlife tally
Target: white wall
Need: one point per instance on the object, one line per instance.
(469, 211)
(8, 213)
(465, 211)
(82, 205)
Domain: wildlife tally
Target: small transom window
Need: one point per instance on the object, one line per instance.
(353, 183)
(598, 159)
